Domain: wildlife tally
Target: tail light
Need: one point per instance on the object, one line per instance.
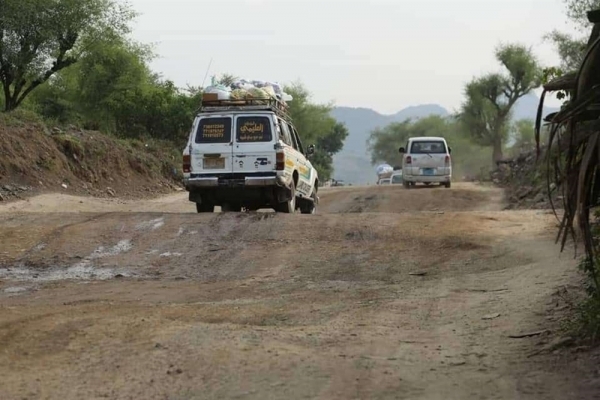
(187, 163)
(408, 160)
(280, 161)
(447, 160)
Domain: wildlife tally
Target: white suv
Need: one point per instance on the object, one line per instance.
(247, 154)
(426, 160)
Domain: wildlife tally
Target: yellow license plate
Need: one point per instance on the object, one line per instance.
(214, 163)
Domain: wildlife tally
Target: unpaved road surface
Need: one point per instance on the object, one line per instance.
(386, 293)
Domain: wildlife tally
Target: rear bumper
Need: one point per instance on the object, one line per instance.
(427, 178)
(232, 180)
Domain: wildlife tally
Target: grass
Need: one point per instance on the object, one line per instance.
(586, 323)
(70, 145)
(20, 118)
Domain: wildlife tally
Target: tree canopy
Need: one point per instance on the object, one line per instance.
(570, 48)
(316, 126)
(99, 79)
(39, 38)
(489, 99)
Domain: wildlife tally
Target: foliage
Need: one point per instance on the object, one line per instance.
(575, 140)
(571, 48)
(577, 12)
(39, 38)
(489, 99)
(225, 79)
(316, 126)
(85, 71)
(111, 88)
(522, 132)
(551, 73)
(469, 159)
(586, 323)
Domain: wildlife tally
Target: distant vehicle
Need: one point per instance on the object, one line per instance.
(396, 178)
(383, 171)
(385, 181)
(426, 160)
(337, 183)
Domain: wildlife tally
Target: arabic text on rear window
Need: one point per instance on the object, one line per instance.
(214, 130)
(253, 129)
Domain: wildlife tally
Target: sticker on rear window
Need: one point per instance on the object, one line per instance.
(253, 129)
(214, 130)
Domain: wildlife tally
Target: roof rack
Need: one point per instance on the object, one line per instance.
(271, 104)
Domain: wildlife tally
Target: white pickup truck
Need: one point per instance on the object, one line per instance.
(248, 154)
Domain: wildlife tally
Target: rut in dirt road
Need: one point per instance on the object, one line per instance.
(386, 303)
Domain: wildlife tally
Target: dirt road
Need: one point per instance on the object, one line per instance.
(386, 293)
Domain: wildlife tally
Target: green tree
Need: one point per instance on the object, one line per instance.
(489, 100)
(383, 143)
(113, 79)
(577, 12)
(38, 38)
(316, 126)
(523, 134)
(226, 79)
(569, 49)
(112, 89)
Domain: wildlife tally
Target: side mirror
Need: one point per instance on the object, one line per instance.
(311, 150)
(449, 150)
(402, 150)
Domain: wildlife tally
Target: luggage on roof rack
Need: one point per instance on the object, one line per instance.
(213, 105)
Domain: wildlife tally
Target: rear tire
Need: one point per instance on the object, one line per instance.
(310, 207)
(289, 206)
(448, 185)
(205, 208)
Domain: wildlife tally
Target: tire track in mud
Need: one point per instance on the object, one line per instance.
(396, 199)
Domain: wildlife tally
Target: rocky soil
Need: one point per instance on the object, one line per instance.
(525, 183)
(35, 159)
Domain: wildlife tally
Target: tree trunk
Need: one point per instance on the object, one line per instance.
(9, 104)
(497, 151)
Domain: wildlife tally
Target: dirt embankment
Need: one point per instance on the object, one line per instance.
(415, 297)
(35, 159)
(524, 179)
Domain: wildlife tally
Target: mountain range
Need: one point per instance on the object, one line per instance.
(353, 163)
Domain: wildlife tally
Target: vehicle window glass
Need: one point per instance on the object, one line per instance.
(298, 141)
(428, 147)
(285, 133)
(294, 139)
(397, 178)
(253, 129)
(214, 130)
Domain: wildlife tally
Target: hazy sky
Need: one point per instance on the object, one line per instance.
(384, 55)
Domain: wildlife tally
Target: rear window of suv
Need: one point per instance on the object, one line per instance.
(428, 147)
(214, 130)
(253, 129)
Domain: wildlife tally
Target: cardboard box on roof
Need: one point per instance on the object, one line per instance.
(210, 96)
